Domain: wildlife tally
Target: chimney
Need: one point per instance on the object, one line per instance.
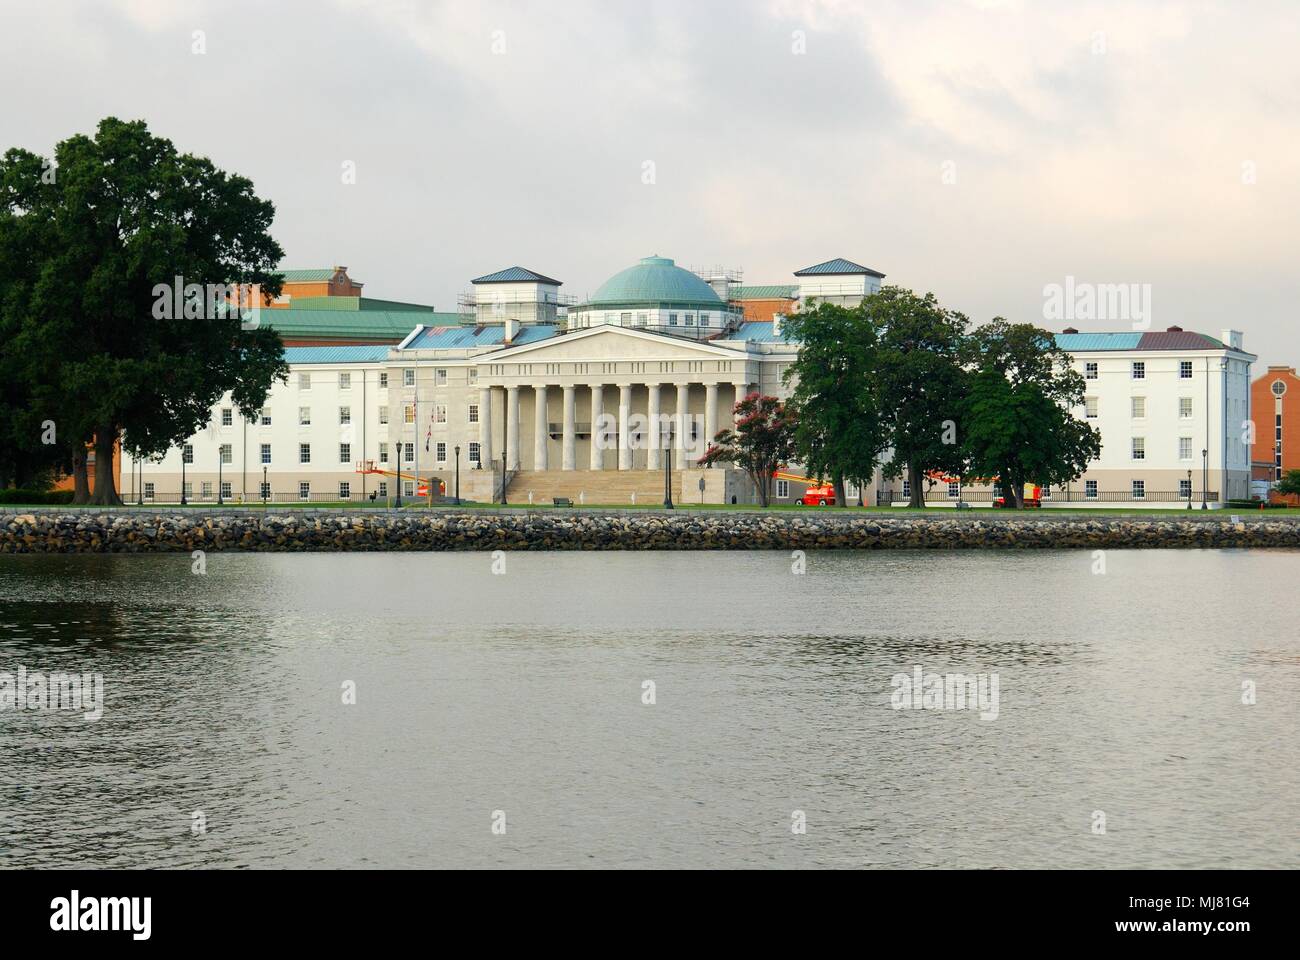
(1173, 330)
(1070, 330)
(512, 328)
(1231, 339)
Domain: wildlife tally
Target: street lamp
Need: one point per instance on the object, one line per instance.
(503, 478)
(458, 474)
(220, 460)
(140, 486)
(668, 472)
(1205, 475)
(397, 481)
(183, 501)
(1189, 489)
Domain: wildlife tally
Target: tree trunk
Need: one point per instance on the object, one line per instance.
(80, 485)
(839, 490)
(105, 492)
(917, 498)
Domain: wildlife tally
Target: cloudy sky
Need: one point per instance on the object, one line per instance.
(980, 150)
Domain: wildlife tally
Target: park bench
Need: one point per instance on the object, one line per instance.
(562, 501)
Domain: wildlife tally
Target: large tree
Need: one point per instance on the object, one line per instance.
(762, 441)
(1019, 425)
(124, 216)
(922, 382)
(841, 428)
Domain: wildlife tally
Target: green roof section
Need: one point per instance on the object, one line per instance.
(350, 325)
(778, 291)
(307, 276)
(356, 304)
(655, 280)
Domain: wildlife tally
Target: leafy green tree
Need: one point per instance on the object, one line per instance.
(1018, 425)
(1289, 485)
(762, 441)
(922, 381)
(124, 217)
(841, 427)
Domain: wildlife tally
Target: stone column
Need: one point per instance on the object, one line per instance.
(652, 411)
(512, 428)
(540, 427)
(597, 411)
(624, 425)
(485, 425)
(569, 455)
(683, 425)
(710, 413)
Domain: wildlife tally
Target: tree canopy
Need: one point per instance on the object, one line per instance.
(762, 441)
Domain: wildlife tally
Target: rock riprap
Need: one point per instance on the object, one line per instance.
(138, 532)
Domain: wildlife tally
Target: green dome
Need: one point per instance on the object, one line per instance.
(655, 280)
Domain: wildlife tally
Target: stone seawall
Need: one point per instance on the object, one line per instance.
(88, 532)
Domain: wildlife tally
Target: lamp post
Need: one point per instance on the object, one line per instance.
(220, 461)
(458, 474)
(1205, 475)
(503, 478)
(266, 489)
(1189, 489)
(397, 475)
(668, 472)
(183, 501)
(140, 486)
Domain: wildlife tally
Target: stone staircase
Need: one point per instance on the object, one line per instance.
(604, 487)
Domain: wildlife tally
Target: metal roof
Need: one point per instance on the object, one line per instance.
(358, 354)
(516, 275)
(779, 291)
(759, 331)
(655, 280)
(387, 324)
(1156, 340)
(837, 266)
(306, 276)
(1087, 342)
(468, 337)
(1178, 340)
(356, 303)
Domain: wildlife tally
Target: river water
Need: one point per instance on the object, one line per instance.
(501, 714)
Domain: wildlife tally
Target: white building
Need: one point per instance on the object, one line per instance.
(566, 403)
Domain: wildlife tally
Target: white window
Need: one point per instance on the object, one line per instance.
(672, 319)
(264, 490)
(1045, 494)
(1090, 371)
(304, 453)
(1090, 489)
(1185, 370)
(439, 413)
(1139, 489)
(345, 453)
(187, 453)
(1139, 408)
(148, 491)
(227, 453)
(383, 414)
(383, 378)
(266, 453)
(642, 319)
(345, 381)
(304, 490)
(473, 413)
(474, 452)
(1139, 448)
(782, 489)
(440, 377)
(1139, 370)
(304, 381)
(225, 489)
(408, 413)
(907, 488)
(383, 453)
(383, 488)
(1185, 489)
(1184, 448)
(954, 489)
(408, 377)
(205, 489)
(345, 415)
(441, 452)
(690, 319)
(345, 490)
(227, 417)
(625, 318)
(266, 416)
(1185, 408)
(473, 375)
(187, 490)
(408, 452)
(1090, 408)
(304, 416)
(408, 488)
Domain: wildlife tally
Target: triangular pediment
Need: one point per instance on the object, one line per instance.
(606, 343)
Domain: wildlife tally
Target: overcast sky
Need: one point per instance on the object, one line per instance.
(980, 150)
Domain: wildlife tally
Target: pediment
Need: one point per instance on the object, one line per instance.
(609, 343)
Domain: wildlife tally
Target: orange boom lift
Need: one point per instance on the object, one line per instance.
(818, 494)
(423, 485)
